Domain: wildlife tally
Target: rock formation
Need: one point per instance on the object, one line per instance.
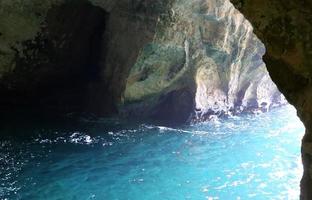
(209, 48)
(48, 54)
(158, 59)
(138, 58)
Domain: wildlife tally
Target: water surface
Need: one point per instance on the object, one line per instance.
(246, 157)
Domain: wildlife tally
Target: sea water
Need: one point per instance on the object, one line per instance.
(245, 157)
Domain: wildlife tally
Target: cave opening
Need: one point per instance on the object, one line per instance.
(153, 100)
(54, 71)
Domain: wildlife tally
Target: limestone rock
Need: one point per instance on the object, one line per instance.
(221, 62)
(148, 51)
(159, 58)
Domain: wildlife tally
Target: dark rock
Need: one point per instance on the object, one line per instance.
(54, 70)
(174, 108)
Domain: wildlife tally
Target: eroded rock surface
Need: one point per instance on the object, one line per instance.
(71, 55)
(158, 59)
(128, 56)
(209, 48)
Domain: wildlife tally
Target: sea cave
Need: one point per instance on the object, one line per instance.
(155, 99)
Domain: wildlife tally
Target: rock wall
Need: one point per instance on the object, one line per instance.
(285, 27)
(158, 59)
(48, 54)
(208, 49)
(131, 25)
(71, 55)
(131, 57)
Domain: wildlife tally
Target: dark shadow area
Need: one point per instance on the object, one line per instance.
(57, 67)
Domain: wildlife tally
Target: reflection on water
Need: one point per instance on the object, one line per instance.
(247, 157)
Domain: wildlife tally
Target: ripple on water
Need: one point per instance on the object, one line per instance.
(247, 157)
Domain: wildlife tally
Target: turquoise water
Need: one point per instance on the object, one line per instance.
(246, 157)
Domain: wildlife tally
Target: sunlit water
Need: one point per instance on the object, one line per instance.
(246, 157)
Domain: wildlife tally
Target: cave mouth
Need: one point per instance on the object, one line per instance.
(243, 141)
(54, 72)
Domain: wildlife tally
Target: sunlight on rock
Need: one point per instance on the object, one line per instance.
(155, 99)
